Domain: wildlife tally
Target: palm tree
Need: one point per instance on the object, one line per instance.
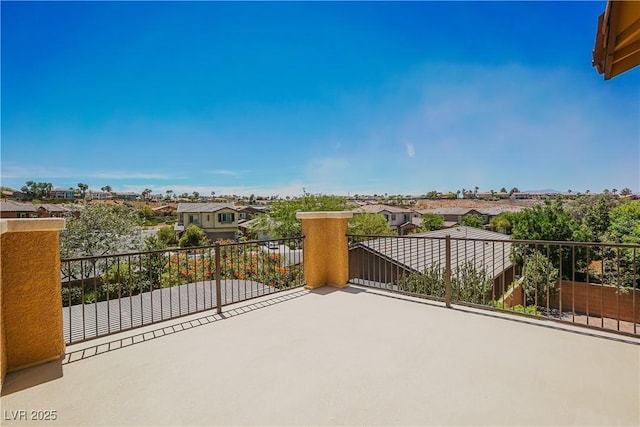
(146, 193)
(169, 194)
(48, 187)
(83, 189)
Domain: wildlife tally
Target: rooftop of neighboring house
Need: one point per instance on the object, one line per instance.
(204, 207)
(418, 255)
(492, 211)
(253, 208)
(376, 208)
(448, 211)
(11, 206)
(54, 207)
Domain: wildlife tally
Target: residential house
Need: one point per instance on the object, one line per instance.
(394, 257)
(126, 195)
(246, 213)
(401, 220)
(247, 230)
(52, 210)
(12, 209)
(11, 195)
(164, 210)
(97, 195)
(217, 220)
(60, 193)
(453, 215)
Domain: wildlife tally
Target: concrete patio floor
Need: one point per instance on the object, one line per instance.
(338, 357)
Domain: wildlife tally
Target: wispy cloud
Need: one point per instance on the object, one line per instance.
(411, 152)
(9, 171)
(486, 122)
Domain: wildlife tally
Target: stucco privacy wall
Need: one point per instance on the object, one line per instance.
(326, 249)
(30, 303)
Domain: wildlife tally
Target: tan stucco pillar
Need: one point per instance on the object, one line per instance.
(326, 251)
(30, 293)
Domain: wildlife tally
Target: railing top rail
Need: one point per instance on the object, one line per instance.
(511, 241)
(178, 249)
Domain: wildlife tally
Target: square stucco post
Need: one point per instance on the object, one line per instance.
(30, 293)
(326, 248)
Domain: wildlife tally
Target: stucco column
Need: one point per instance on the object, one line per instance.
(30, 293)
(326, 251)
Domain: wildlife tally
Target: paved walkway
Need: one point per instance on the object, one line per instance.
(339, 357)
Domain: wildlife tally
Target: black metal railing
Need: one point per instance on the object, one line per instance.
(591, 284)
(102, 295)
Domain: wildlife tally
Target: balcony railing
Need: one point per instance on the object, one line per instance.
(592, 284)
(108, 294)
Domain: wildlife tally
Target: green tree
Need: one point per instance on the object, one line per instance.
(473, 220)
(193, 236)
(467, 283)
(549, 222)
(369, 223)
(146, 212)
(540, 277)
(592, 213)
(281, 221)
(431, 221)
(432, 195)
(167, 236)
(502, 222)
(625, 223)
(625, 191)
(96, 230)
(83, 189)
(37, 190)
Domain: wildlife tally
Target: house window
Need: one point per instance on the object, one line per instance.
(386, 217)
(208, 218)
(193, 219)
(226, 218)
(393, 217)
(242, 215)
(407, 217)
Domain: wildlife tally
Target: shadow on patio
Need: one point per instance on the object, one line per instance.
(353, 356)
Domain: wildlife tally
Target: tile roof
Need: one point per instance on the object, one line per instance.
(204, 207)
(424, 250)
(55, 207)
(449, 211)
(11, 206)
(382, 208)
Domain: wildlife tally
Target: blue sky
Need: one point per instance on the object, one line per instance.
(343, 98)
